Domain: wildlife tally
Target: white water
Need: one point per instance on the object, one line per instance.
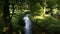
(27, 24)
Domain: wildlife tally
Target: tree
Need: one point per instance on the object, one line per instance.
(6, 18)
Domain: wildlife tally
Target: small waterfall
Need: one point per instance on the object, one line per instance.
(27, 24)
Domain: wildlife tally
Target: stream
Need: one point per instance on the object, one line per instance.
(27, 24)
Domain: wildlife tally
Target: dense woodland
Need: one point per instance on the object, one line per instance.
(44, 15)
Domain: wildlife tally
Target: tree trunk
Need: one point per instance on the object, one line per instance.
(6, 18)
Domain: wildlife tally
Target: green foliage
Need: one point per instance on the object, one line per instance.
(51, 3)
(49, 24)
(36, 8)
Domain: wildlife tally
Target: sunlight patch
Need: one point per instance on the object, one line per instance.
(40, 17)
(47, 15)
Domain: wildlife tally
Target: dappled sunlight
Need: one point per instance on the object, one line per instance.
(30, 17)
(47, 15)
(25, 11)
(55, 10)
(5, 29)
(39, 17)
(42, 16)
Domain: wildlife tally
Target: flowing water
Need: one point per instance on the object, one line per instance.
(27, 24)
